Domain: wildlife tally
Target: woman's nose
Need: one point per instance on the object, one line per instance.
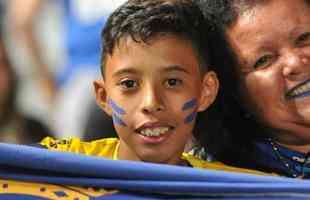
(296, 65)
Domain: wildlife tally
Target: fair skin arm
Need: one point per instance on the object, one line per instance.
(22, 17)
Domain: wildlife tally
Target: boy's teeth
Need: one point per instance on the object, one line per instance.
(154, 132)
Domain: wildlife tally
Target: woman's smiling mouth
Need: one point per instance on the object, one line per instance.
(301, 90)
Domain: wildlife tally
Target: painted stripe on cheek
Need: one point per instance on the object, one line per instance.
(117, 109)
(190, 118)
(190, 104)
(117, 120)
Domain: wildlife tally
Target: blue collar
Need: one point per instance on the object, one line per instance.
(279, 159)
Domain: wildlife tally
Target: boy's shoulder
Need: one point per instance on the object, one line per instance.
(106, 147)
(214, 165)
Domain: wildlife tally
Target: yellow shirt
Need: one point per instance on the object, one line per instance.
(108, 148)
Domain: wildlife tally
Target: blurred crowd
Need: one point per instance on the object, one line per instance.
(50, 55)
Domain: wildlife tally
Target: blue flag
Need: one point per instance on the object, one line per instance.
(34, 173)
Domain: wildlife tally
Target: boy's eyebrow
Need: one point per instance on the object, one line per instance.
(175, 68)
(125, 71)
(169, 68)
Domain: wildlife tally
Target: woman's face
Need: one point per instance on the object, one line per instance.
(272, 43)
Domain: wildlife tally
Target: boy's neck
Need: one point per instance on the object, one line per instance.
(125, 153)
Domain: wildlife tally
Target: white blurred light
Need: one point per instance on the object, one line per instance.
(89, 11)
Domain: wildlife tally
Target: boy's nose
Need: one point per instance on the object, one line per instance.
(296, 65)
(152, 101)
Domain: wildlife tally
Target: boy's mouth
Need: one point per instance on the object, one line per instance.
(300, 90)
(153, 130)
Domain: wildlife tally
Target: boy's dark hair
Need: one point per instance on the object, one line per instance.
(142, 20)
(241, 127)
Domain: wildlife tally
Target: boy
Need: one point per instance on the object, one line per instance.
(155, 81)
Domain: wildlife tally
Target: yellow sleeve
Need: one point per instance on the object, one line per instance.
(61, 145)
(106, 147)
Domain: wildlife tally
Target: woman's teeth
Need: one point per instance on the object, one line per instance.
(300, 90)
(154, 131)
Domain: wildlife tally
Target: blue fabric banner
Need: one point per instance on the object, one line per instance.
(34, 173)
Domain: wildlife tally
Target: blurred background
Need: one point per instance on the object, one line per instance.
(53, 47)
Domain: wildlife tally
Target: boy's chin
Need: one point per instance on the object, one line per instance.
(157, 158)
(157, 161)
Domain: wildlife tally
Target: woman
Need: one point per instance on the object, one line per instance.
(266, 95)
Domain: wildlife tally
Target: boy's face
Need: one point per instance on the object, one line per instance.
(272, 42)
(153, 92)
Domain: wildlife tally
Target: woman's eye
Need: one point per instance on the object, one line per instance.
(303, 39)
(263, 62)
(172, 82)
(128, 84)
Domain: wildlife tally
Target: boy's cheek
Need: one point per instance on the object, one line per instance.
(107, 109)
(104, 106)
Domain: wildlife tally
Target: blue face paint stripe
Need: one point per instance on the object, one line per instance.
(116, 108)
(190, 118)
(117, 120)
(190, 104)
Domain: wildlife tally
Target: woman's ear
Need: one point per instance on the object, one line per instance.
(101, 96)
(210, 87)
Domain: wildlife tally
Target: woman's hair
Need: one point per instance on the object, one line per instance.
(239, 127)
(226, 12)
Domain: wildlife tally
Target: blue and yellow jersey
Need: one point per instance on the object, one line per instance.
(108, 148)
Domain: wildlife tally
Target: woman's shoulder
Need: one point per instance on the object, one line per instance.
(215, 165)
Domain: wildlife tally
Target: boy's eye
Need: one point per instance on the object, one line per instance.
(128, 84)
(303, 39)
(263, 62)
(172, 82)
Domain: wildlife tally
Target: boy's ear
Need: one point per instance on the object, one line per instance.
(210, 87)
(101, 96)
